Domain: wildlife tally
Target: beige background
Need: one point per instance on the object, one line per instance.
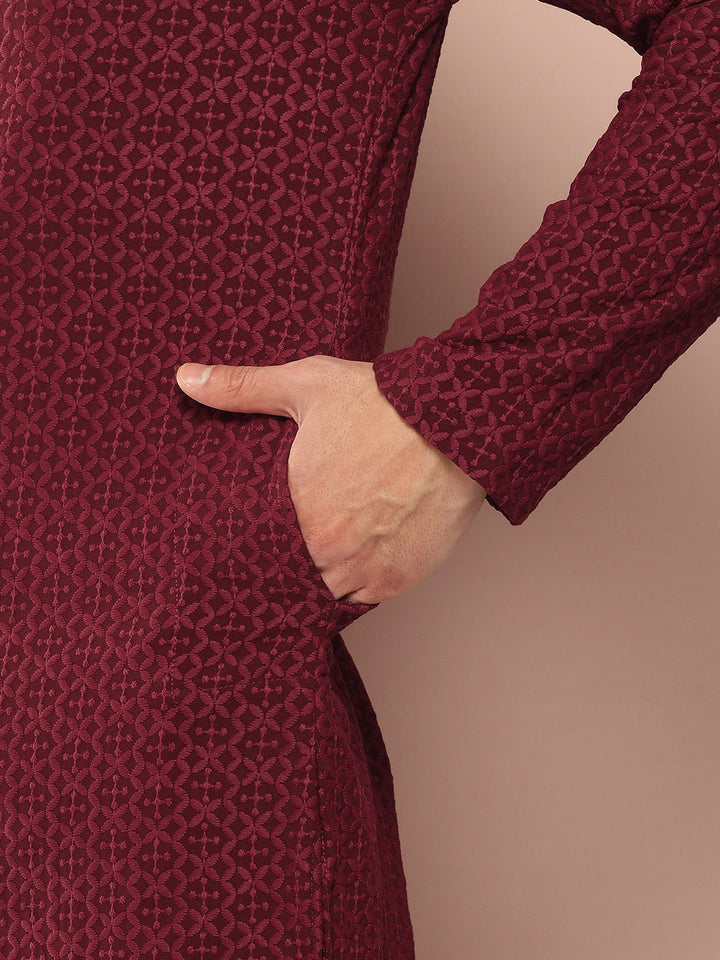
(550, 696)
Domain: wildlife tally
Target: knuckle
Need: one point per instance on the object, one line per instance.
(320, 365)
(334, 585)
(238, 380)
(311, 361)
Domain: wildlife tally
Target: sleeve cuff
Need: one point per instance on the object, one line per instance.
(427, 385)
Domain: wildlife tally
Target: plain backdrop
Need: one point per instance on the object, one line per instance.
(550, 696)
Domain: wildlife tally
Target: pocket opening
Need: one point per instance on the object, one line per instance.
(344, 611)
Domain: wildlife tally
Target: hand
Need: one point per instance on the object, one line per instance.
(378, 506)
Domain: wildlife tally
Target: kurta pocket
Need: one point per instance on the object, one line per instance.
(300, 565)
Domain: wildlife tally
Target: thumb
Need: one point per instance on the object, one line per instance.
(268, 389)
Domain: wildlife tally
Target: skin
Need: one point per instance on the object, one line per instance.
(379, 507)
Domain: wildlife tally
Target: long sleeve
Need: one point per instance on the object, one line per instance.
(621, 277)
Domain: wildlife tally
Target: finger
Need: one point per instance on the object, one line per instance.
(268, 389)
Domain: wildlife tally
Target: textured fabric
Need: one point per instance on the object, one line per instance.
(190, 765)
(621, 277)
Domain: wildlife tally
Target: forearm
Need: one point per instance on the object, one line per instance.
(620, 278)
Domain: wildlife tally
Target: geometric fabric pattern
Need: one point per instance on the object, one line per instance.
(190, 767)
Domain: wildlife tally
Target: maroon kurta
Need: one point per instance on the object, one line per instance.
(189, 765)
